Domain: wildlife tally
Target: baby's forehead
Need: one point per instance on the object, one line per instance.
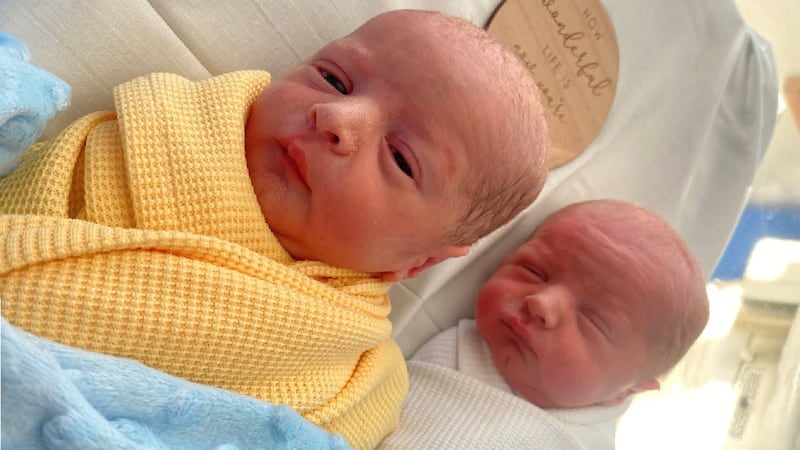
(416, 22)
(418, 34)
(608, 219)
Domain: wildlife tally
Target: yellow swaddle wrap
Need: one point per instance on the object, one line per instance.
(138, 234)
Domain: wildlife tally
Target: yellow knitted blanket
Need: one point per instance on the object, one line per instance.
(137, 234)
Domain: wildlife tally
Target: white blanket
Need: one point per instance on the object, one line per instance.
(457, 399)
(449, 410)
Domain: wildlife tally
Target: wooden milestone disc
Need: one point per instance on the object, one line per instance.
(570, 48)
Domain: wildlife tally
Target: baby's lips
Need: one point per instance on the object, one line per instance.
(298, 156)
(519, 331)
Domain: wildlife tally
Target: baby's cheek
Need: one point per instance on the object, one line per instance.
(491, 298)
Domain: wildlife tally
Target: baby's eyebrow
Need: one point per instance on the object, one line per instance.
(351, 50)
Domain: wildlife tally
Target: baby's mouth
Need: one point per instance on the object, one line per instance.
(295, 160)
(518, 334)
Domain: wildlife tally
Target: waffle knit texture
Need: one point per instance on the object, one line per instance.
(137, 233)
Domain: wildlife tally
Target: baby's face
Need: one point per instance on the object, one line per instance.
(563, 317)
(357, 156)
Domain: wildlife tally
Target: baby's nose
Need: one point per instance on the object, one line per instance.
(347, 124)
(543, 310)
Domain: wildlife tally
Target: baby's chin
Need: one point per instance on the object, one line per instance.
(534, 397)
(546, 402)
(300, 252)
(543, 399)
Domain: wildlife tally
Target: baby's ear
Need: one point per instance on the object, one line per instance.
(453, 251)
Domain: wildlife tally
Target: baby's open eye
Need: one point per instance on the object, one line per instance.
(402, 163)
(334, 81)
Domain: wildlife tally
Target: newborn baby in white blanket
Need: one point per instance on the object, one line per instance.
(603, 299)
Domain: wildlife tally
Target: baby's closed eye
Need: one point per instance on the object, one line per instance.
(596, 321)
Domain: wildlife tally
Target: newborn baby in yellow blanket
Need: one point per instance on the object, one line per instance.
(241, 233)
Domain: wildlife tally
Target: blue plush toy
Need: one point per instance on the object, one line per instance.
(29, 97)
